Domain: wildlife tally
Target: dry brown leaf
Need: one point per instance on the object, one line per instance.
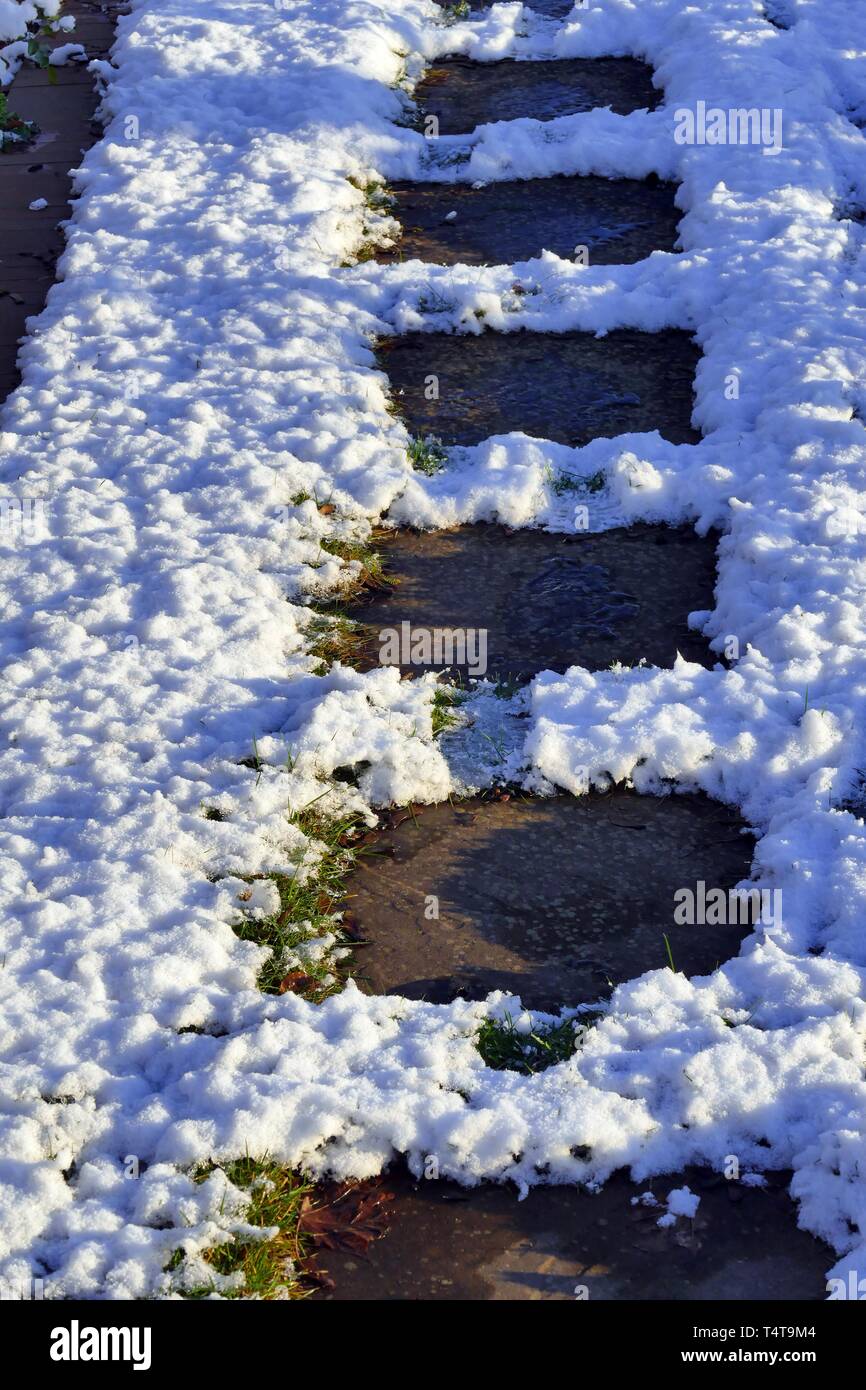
(296, 982)
(351, 1219)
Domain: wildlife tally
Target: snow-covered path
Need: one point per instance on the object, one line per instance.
(205, 361)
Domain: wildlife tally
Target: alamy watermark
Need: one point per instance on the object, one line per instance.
(851, 1289)
(77, 1343)
(714, 907)
(736, 125)
(23, 518)
(437, 646)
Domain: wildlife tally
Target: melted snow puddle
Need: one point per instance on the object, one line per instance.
(463, 94)
(450, 1242)
(543, 601)
(554, 899)
(31, 239)
(604, 221)
(567, 387)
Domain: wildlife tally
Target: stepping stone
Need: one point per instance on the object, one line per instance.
(448, 1242)
(567, 387)
(619, 221)
(548, 601)
(463, 94)
(554, 899)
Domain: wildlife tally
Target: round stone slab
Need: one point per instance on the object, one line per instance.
(555, 899)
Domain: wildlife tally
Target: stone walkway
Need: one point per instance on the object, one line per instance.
(556, 900)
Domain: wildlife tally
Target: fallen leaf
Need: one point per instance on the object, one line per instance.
(296, 982)
(316, 1280)
(349, 926)
(351, 1219)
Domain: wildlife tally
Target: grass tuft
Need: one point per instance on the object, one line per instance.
(561, 482)
(372, 571)
(269, 1267)
(452, 14)
(334, 636)
(432, 301)
(380, 201)
(304, 936)
(377, 195)
(445, 699)
(505, 1048)
(506, 687)
(365, 251)
(428, 456)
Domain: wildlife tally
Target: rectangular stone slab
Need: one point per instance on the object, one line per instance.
(568, 387)
(463, 94)
(547, 602)
(618, 221)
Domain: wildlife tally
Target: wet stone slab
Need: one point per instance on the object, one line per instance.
(566, 387)
(448, 1243)
(545, 601)
(618, 221)
(462, 94)
(555, 899)
(63, 107)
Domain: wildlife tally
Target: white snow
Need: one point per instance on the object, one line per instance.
(204, 361)
(681, 1201)
(64, 53)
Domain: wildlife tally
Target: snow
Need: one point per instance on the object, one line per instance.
(64, 53)
(206, 359)
(681, 1202)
